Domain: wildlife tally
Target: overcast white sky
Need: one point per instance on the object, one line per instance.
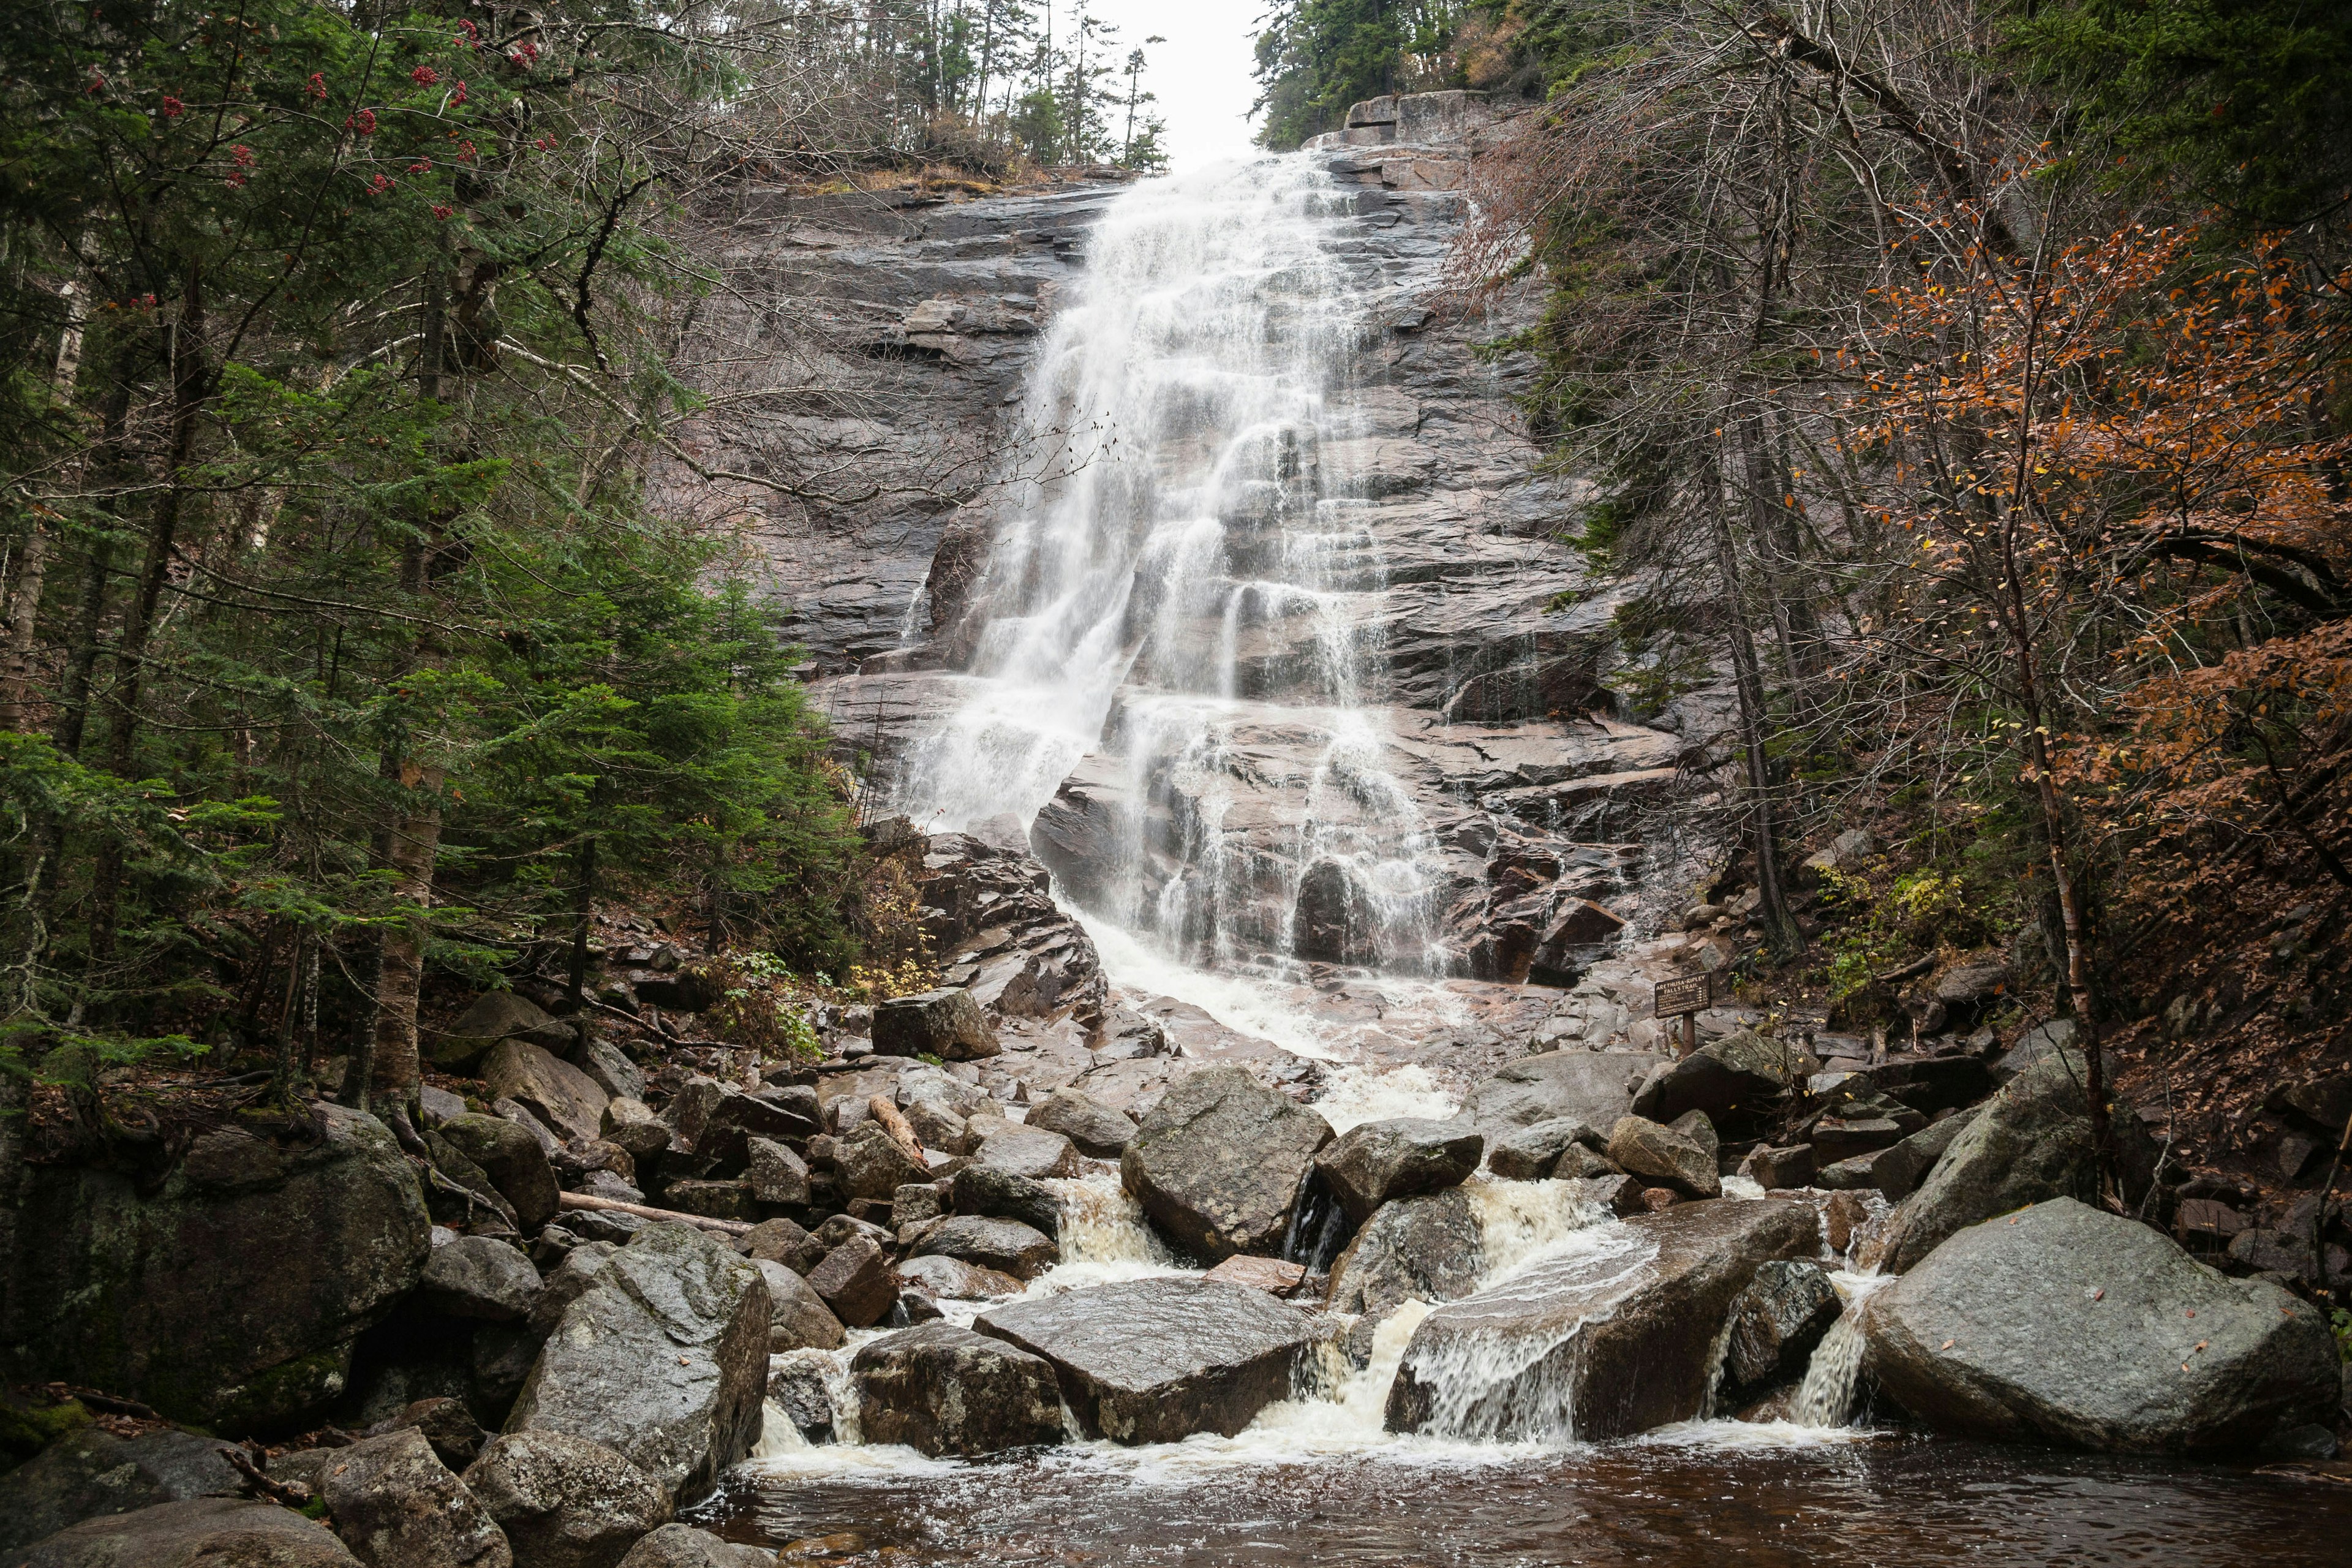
(1202, 73)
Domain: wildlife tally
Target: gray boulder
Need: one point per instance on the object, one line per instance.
(610, 1066)
(774, 1174)
(683, 1546)
(1431, 1247)
(1595, 1088)
(1775, 1324)
(2080, 1326)
(1098, 1130)
(1216, 1165)
(1154, 1361)
(1030, 1151)
(550, 1088)
(1529, 1153)
(229, 1292)
(996, 1194)
(1734, 1079)
(854, 1280)
(1005, 1245)
(89, 1472)
(396, 1505)
(870, 1163)
(2031, 1142)
(564, 1501)
(1381, 1161)
(448, 1425)
(1614, 1338)
(1665, 1156)
(513, 1160)
(664, 1360)
(953, 1279)
(579, 1272)
(798, 1317)
(478, 1277)
(780, 1240)
(495, 1015)
(2035, 1046)
(946, 1390)
(945, 1024)
(203, 1532)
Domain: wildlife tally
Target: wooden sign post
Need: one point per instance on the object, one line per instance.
(1684, 999)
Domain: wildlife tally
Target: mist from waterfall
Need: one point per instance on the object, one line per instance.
(1190, 569)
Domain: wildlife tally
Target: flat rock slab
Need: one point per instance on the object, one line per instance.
(205, 1532)
(1154, 1361)
(1616, 1337)
(1595, 1088)
(2068, 1323)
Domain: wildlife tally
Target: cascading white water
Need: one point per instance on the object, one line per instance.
(1189, 574)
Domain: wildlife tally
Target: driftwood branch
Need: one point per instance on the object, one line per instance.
(643, 1211)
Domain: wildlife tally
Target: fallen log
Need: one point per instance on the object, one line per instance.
(671, 1216)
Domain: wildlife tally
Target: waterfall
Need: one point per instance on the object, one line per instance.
(1183, 596)
(1825, 1397)
(1103, 1236)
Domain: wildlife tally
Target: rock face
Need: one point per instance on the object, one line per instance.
(2085, 1328)
(564, 1501)
(664, 1360)
(397, 1506)
(947, 1024)
(90, 1472)
(207, 1533)
(1381, 1161)
(1154, 1361)
(1595, 1088)
(1616, 1339)
(988, 908)
(189, 1296)
(2031, 1142)
(1216, 1165)
(479, 1277)
(945, 1390)
(1429, 1247)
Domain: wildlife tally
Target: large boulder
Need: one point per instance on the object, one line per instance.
(1099, 1131)
(550, 1088)
(946, 1390)
(513, 1160)
(1005, 1245)
(683, 1546)
(479, 1277)
(495, 1015)
(1734, 1079)
(1775, 1324)
(2031, 1142)
(953, 1279)
(204, 1533)
(1154, 1361)
(2080, 1326)
(89, 1472)
(396, 1505)
(1430, 1249)
(1595, 1088)
(854, 1281)
(664, 1360)
(798, 1317)
(1030, 1151)
(564, 1501)
(775, 1174)
(1532, 1152)
(948, 1024)
(1217, 1163)
(996, 1194)
(870, 1163)
(1666, 1155)
(1376, 1163)
(229, 1292)
(1617, 1337)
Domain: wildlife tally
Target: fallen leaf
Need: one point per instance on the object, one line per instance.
(2200, 1345)
(1948, 1344)
(2100, 1294)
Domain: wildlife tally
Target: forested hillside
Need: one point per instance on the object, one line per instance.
(1969, 382)
(344, 647)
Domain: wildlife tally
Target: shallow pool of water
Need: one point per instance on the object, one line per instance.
(1706, 1495)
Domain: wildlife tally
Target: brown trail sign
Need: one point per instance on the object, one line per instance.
(1684, 999)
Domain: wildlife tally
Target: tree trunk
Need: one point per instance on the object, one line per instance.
(1780, 925)
(24, 604)
(584, 894)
